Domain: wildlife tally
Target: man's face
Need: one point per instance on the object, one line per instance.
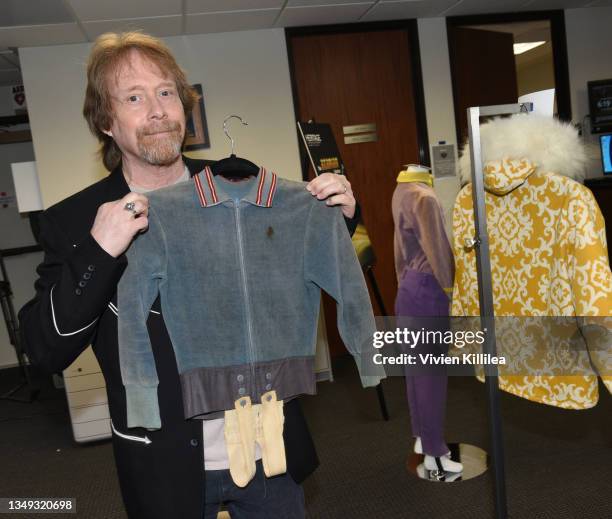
(148, 116)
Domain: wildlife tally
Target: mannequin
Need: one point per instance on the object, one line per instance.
(548, 255)
(424, 268)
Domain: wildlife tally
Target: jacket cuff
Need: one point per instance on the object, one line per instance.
(142, 406)
(89, 252)
(371, 374)
(351, 223)
(88, 283)
(92, 270)
(370, 380)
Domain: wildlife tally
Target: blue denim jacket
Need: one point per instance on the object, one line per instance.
(240, 289)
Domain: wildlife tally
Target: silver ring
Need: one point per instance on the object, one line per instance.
(131, 206)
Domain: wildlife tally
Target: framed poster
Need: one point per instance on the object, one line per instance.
(196, 130)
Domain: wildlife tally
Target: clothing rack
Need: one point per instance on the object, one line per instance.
(485, 292)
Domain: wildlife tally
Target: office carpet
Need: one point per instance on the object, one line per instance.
(558, 463)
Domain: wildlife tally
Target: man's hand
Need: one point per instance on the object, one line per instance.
(336, 189)
(115, 226)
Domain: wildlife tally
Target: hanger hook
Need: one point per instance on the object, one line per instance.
(226, 131)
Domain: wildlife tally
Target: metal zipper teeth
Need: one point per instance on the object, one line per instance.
(245, 291)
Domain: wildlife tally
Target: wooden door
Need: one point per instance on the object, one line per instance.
(483, 70)
(363, 78)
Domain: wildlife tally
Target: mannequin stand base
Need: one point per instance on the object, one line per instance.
(475, 462)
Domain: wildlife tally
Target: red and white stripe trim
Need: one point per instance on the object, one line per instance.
(211, 185)
(200, 190)
(272, 189)
(262, 177)
(213, 191)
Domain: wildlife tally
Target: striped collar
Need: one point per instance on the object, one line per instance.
(210, 192)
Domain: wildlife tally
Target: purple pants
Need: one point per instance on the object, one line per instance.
(420, 295)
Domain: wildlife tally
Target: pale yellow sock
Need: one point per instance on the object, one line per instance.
(270, 434)
(240, 440)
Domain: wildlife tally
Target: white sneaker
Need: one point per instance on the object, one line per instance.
(431, 475)
(418, 445)
(447, 464)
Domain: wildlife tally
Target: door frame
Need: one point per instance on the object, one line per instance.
(559, 44)
(411, 29)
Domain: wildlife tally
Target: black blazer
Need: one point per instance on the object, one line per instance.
(163, 478)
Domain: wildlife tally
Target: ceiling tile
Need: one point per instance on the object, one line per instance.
(311, 3)
(34, 12)
(209, 6)
(394, 10)
(323, 15)
(230, 21)
(88, 10)
(472, 7)
(36, 35)
(545, 5)
(156, 26)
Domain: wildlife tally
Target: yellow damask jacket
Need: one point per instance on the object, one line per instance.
(548, 258)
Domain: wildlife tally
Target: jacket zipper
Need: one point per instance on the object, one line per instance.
(245, 292)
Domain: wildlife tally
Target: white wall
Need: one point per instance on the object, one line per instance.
(589, 40)
(244, 73)
(439, 104)
(15, 232)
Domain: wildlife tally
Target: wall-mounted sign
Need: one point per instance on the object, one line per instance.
(359, 128)
(443, 160)
(364, 137)
(19, 99)
(6, 200)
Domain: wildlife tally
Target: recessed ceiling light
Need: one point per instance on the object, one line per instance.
(519, 48)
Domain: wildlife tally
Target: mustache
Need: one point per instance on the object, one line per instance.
(166, 126)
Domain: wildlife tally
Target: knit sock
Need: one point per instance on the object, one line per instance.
(240, 440)
(270, 435)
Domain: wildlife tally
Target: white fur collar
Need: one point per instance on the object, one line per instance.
(553, 146)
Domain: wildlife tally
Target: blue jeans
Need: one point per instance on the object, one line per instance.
(278, 497)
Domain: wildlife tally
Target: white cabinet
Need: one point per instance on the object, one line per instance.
(87, 400)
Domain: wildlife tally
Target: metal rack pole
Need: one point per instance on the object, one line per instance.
(485, 294)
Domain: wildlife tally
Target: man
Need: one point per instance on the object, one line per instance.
(136, 103)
